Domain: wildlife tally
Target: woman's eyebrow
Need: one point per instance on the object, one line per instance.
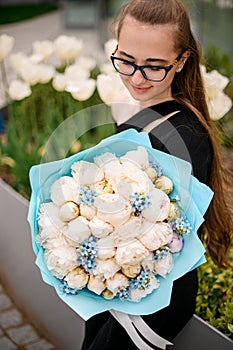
(150, 59)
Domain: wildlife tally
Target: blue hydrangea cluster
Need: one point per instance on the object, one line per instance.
(181, 226)
(68, 290)
(123, 294)
(142, 281)
(155, 165)
(87, 196)
(161, 253)
(87, 254)
(140, 201)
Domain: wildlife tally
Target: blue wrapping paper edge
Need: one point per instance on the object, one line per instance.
(194, 196)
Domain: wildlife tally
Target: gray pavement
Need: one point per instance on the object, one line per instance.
(16, 331)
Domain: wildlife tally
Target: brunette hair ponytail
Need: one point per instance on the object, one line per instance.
(187, 88)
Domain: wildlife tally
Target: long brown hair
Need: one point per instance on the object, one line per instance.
(187, 88)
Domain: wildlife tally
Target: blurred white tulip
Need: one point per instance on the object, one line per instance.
(6, 45)
(45, 73)
(16, 60)
(43, 49)
(109, 47)
(18, 90)
(109, 86)
(59, 82)
(82, 90)
(67, 48)
(85, 62)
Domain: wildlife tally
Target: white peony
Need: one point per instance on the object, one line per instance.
(138, 157)
(77, 278)
(106, 268)
(6, 45)
(87, 211)
(100, 228)
(112, 208)
(68, 211)
(49, 216)
(78, 230)
(104, 159)
(164, 184)
(67, 48)
(156, 235)
(106, 248)
(117, 282)
(131, 271)
(96, 284)
(130, 229)
(163, 266)
(18, 90)
(131, 253)
(160, 207)
(64, 189)
(43, 48)
(60, 261)
(86, 173)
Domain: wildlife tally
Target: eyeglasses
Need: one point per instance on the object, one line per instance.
(152, 73)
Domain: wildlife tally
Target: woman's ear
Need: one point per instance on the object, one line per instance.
(182, 61)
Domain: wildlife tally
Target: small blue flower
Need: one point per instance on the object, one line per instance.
(87, 254)
(68, 290)
(123, 294)
(87, 196)
(181, 226)
(161, 253)
(155, 165)
(142, 281)
(139, 201)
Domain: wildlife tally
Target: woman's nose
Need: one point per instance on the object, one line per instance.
(137, 78)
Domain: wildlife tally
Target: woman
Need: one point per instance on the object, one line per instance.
(159, 63)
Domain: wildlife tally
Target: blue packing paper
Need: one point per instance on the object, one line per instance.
(194, 198)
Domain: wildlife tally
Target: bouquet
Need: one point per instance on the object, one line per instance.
(115, 225)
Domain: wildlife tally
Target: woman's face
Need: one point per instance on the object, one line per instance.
(144, 44)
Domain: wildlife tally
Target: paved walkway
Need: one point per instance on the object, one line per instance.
(16, 331)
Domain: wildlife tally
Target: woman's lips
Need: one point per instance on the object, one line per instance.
(140, 89)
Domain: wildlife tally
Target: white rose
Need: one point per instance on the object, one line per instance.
(18, 90)
(49, 216)
(64, 189)
(138, 157)
(67, 48)
(43, 48)
(100, 228)
(106, 268)
(106, 248)
(6, 45)
(77, 278)
(131, 253)
(159, 209)
(163, 266)
(117, 282)
(112, 208)
(86, 173)
(87, 211)
(61, 260)
(156, 235)
(96, 284)
(78, 230)
(68, 211)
